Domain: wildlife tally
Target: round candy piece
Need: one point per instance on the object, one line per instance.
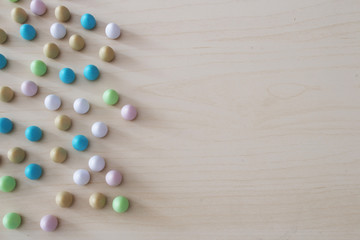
(67, 75)
(88, 21)
(81, 177)
(110, 97)
(38, 7)
(3, 61)
(12, 220)
(91, 72)
(62, 13)
(113, 178)
(16, 155)
(96, 163)
(6, 125)
(112, 31)
(29, 88)
(57, 31)
(6, 94)
(64, 199)
(49, 223)
(19, 15)
(38, 67)
(63, 122)
(28, 32)
(33, 171)
(76, 42)
(97, 200)
(13, 0)
(33, 133)
(80, 142)
(120, 204)
(52, 102)
(3, 36)
(7, 184)
(99, 129)
(128, 112)
(51, 50)
(58, 154)
(106, 54)
(81, 105)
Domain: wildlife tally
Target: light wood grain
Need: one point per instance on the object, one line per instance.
(248, 126)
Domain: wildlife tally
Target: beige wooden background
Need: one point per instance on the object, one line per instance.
(248, 126)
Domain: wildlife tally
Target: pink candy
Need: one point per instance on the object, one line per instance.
(29, 88)
(113, 178)
(38, 7)
(128, 112)
(49, 223)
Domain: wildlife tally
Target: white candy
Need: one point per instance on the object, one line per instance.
(52, 102)
(112, 31)
(58, 30)
(99, 129)
(81, 106)
(81, 177)
(96, 163)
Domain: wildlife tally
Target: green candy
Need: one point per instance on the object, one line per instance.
(120, 204)
(7, 184)
(110, 97)
(12, 220)
(13, 0)
(38, 67)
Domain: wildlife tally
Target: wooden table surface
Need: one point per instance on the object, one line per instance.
(248, 125)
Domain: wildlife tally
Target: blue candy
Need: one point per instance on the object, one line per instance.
(80, 142)
(3, 61)
(67, 75)
(33, 171)
(28, 32)
(91, 72)
(88, 21)
(33, 133)
(6, 125)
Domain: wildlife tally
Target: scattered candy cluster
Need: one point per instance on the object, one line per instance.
(62, 122)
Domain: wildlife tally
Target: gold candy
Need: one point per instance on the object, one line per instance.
(16, 155)
(97, 200)
(76, 42)
(63, 122)
(3, 36)
(58, 154)
(64, 199)
(6, 94)
(51, 50)
(106, 54)
(19, 15)
(62, 13)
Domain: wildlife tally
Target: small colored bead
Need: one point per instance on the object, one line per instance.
(99, 129)
(3, 36)
(110, 97)
(52, 102)
(67, 75)
(29, 88)
(12, 220)
(97, 200)
(33, 133)
(91, 72)
(51, 50)
(88, 21)
(113, 178)
(57, 31)
(96, 163)
(58, 154)
(33, 171)
(3, 61)
(120, 204)
(80, 142)
(63, 122)
(19, 15)
(38, 67)
(28, 32)
(13, 0)
(112, 31)
(81, 105)
(6, 125)
(76, 42)
(7, 184)
(106, 54)
(38, 7)
(62, 13)
(81, 177)
(16, 155)
(6, 94)
(49, 223)
(128, 112)
(64, 199)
